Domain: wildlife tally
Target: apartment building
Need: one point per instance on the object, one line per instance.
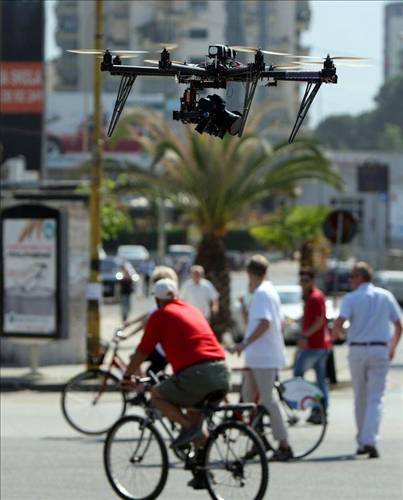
(193, 25)
(393, 41)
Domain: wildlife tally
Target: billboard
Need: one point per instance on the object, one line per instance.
(33, 272)
(22, 80)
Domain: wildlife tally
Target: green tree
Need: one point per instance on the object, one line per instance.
(288, 228)
(214, 181)
(377, 129)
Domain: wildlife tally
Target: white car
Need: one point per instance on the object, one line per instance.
(135, 254)
(292, 307)
(392, 281)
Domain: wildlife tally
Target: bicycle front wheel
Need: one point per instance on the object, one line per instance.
(135, 459)
(92, 401)
(306, 426)
(235, 463)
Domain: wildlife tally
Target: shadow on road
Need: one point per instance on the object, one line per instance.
(85, 440)
(332, 458)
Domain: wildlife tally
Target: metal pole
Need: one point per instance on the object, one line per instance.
(94, 288)
(339, 234)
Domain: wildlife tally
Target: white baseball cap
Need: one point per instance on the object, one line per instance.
(165, 289)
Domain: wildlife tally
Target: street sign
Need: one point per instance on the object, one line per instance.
(340, 226)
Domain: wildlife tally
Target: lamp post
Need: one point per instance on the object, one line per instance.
(94, 287)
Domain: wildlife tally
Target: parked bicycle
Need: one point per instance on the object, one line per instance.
(303, 414)
(93, 400)
(136, 459)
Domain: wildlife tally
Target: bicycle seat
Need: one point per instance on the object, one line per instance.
(211, 400)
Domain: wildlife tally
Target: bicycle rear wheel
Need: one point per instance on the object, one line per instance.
(230, 470)
(306, 426)
(135, 459)
(92, 401)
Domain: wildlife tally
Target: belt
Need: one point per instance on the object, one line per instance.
(369, 343)
(203, 362)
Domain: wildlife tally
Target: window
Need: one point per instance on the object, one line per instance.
(198, 6)
(198, 33)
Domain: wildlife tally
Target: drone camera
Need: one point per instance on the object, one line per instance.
(211, 117)
(221, 52)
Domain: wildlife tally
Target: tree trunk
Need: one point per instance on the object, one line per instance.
(211, 255)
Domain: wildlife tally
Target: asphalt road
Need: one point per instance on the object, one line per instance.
(43, 459)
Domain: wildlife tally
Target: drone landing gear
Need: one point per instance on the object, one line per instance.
(249, 94)
(307, 100)
(126, 84)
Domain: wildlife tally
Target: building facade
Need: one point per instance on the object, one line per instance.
(193, 25)
(377, 206)
(393, 43)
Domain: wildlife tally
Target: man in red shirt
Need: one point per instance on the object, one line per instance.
(196, 356)
(315, 342)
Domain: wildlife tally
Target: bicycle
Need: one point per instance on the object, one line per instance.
(93, 400)
(136, 458)
(298, 401)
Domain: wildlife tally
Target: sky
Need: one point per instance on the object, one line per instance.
(337, 27)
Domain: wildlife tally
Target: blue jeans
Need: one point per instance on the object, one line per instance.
(316, 359)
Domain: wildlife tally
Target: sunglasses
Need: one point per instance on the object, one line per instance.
(305, 279)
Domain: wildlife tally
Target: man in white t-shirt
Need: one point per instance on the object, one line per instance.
(200, 292)
(264, 349)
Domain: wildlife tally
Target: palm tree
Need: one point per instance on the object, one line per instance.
(214, 180)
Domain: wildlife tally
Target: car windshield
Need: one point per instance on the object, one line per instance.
(109, 266)
(290, 297)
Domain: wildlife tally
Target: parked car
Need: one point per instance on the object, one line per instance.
(235, 260)
(336, 278)
(392, 281)
(135, 254)
(181, 258)
(111, 272)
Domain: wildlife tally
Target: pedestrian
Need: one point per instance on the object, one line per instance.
(126, 290)
(201, 293)
(264, 349)
(146, 269)
(315, 341)
(370, 310)
(197, 360)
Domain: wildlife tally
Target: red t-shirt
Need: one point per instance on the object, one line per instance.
(315, 306)
(184, 334)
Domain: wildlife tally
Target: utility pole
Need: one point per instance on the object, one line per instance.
(94, 287)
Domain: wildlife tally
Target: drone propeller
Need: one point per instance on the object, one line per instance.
(162, 45)
(255, 49)
(292, 65)
(350, 65)
(120, 53)
(339, 58)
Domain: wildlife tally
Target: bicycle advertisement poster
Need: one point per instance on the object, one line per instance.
(31, 275)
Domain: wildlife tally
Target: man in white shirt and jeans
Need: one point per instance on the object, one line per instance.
(264, 349)
(370, 311)
(200, 292)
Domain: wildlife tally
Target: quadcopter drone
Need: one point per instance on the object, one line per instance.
(220, 67)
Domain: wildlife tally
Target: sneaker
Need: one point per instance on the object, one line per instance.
(186, 436)
(282, 455)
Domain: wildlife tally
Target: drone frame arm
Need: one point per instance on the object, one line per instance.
(126, 84)
(251, 85)
(306, 102)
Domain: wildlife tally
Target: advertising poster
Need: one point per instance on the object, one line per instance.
(29, 276)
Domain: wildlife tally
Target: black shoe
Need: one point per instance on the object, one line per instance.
(282, 455)
(372, 452)
(316, 417)
(361, 450)
(199, 481)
